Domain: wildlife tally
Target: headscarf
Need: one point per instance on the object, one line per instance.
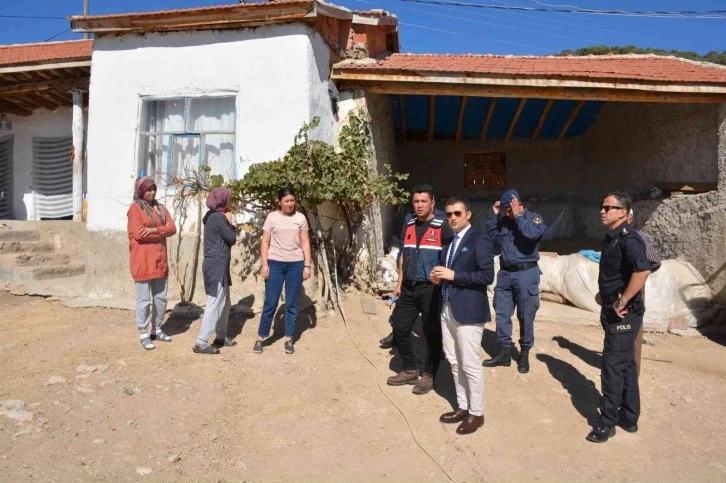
(218, 199)
(142, 185)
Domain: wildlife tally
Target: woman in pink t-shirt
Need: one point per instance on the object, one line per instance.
(285, 254)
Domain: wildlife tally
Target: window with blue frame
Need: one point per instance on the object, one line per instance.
(177, 136)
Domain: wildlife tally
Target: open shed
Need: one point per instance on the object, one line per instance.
(563, 131)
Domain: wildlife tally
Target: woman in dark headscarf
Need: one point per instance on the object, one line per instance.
(149, 225)
(219, 237)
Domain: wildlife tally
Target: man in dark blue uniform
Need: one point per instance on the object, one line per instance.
(518, 232)
(624, 268)
(423, 237)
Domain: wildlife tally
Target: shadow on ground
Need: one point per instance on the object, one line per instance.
(584, 395)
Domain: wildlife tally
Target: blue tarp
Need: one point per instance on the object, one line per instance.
(591, 255)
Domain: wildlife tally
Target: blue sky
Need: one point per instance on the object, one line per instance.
(443, 29)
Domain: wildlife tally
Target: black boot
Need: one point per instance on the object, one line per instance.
(504, 358)
(387, 341)
(523, 363)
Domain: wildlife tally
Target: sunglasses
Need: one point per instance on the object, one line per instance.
(457, 214)
(607, 208)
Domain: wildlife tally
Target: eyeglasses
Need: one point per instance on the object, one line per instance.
(607, 208)
(457, 214)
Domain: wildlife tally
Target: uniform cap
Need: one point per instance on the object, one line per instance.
(507, 197)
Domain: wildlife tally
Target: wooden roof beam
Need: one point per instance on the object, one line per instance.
(11, 108)
(460, 123)
(45, 67)
(515, 119)
(432, 118)
(545, 92)
(487, 121)
(542, 120)
(24, 87)
(570, 120)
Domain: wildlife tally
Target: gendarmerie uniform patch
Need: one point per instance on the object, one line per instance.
(537, 220)
(625, 231)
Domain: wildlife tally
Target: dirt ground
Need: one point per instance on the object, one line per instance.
(123, 414)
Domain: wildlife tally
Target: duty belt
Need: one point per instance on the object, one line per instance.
(518, 267)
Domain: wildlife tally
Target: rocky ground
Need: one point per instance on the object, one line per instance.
(81, 401)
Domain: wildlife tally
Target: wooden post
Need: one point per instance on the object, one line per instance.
(432, 118)
(460, 124)
(78, 135)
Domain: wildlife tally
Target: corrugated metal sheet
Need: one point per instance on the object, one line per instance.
(6, 178)
(53, 177)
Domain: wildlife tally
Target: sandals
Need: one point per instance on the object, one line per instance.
(146, 341)
(159, 335)
(204, 349)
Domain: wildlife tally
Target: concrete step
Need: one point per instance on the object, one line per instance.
(19, 235)
(31, 259)
(45, 272)
(30, 275)
(25, 247)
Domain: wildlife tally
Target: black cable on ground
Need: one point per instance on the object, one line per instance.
(378, 383)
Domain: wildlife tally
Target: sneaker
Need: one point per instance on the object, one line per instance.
(204, 349)
(258, 347)
(289, 348)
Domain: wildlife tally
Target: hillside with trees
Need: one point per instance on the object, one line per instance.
(713, 56)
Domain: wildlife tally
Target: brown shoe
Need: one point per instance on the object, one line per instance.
(403, 378)
(454, 416)
(470, 424)
(424, 385)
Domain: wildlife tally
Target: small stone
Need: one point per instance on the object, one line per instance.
(34, 405)
(175, 458)
(142, 470)
(54, 380)
(84, 388)
(121, 362)
(83, 368)
(99, 441)
(23, 432)
(128, 391)
(5, 347)
(648, 340)
(109, 382)
(368, 306)
(42, 421)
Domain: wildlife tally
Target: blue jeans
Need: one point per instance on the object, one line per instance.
(290, 274)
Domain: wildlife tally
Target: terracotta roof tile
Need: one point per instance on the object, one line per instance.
(625, 67)
(214, 8)
(45, 52)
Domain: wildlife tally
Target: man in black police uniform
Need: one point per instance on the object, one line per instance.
(624, 268)
(423, 237)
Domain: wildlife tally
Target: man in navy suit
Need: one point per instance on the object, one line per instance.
(467, 267)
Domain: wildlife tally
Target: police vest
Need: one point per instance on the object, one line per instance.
(419, 258)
